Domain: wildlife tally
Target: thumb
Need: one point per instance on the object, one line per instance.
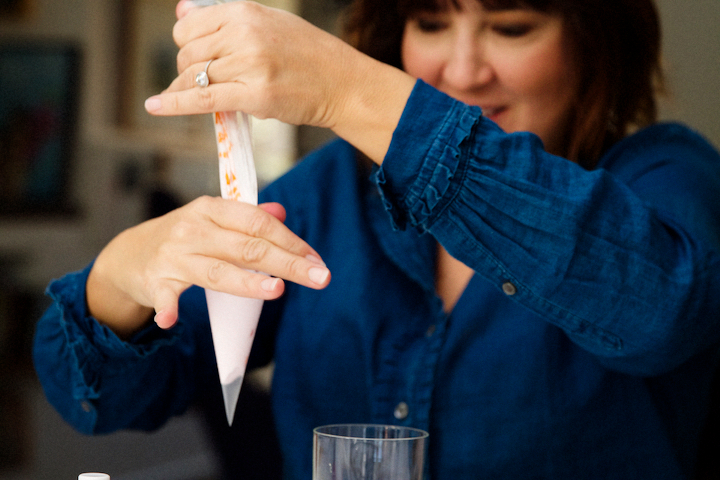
(166, 308)
(274, 209)
(183, 7)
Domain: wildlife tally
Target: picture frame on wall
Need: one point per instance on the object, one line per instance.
(39, 92)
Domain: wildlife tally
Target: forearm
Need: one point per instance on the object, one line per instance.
(106, 301)
(113, 307)
(373, 100)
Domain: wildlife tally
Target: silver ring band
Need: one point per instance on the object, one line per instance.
(201, 79)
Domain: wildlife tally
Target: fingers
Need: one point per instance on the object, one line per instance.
(214, 242)
(166, 307)
(220, 70)
(224, 93)
(191, 101)
(274, 209)
(225, 277)
(225, 268)
(256, 223)
(219, 276)
(183, 8)
(197, 53)
(197, 34)
(242, 237)
(203, 22)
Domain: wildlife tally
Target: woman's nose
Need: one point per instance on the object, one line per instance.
(467, 66)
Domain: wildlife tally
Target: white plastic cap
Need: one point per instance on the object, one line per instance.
(93, 476)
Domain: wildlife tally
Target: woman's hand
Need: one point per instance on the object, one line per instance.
(212, 243)
(273, 64)
(264, 61)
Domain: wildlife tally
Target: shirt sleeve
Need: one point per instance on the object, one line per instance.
(100, 383)
(626, 263)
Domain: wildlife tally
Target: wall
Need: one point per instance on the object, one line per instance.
(691, 49)
(55, 245)
(52, 247)
(48, 247)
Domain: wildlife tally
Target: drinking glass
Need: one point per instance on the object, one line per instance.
(368, 452)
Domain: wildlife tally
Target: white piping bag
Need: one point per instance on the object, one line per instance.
(233, 319)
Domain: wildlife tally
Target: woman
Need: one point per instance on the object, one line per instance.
(541, 318)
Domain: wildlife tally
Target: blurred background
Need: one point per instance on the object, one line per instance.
(73, 78)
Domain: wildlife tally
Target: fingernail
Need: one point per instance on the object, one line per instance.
(269, 284)
(161, 322)
(315, 259)
(318, 274)
(153, 104)
(184, 7)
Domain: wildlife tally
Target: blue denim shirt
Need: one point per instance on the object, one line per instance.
(583, 347)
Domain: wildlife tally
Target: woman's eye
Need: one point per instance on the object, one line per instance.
(512, 29)
(430, 25)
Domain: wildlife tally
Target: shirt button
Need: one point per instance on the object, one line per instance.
(430, 331)
(86, 407)
(401, 411)
(509, 289)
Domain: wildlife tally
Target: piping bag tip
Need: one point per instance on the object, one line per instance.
(231, 393)
(233, 321)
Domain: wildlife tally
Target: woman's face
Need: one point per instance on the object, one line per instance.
(514, 64)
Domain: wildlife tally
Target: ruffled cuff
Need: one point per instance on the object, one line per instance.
(94, 344)
(422, 170)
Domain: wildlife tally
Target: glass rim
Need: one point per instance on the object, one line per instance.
(418, 432)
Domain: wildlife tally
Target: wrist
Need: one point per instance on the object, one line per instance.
(373, 102)
(110, 305)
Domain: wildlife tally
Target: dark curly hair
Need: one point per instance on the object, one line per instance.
(616, 44)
